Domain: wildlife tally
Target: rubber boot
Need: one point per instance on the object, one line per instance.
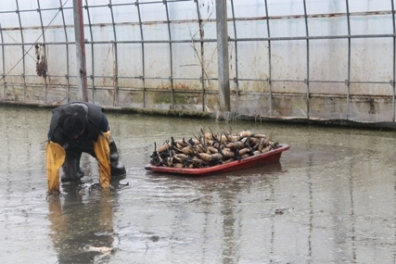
(71, 167)
(117, 168)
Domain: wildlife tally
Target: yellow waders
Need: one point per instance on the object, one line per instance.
(102, 152)
(55, 155)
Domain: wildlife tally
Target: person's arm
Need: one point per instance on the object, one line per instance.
(104, 124)
(55, 156)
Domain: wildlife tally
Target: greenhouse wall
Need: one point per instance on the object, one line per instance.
(288, 59)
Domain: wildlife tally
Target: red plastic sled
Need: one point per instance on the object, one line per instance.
(269, 157)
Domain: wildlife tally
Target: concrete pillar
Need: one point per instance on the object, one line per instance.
(80, 51)
(222, 54)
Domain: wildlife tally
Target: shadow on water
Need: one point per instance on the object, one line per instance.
(232, 218)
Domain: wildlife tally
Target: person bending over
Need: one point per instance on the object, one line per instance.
(75, 128)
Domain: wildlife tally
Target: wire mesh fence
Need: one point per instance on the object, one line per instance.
(309, 59)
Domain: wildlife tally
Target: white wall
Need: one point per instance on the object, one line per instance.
(369, 67)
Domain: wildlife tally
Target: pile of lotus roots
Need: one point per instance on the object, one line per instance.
(210, 149)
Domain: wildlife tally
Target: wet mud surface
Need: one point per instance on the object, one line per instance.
(330, 199)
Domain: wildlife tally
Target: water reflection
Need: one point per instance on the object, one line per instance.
(82, 225)
(232, 198)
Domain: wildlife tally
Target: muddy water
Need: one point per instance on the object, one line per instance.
(331, 199)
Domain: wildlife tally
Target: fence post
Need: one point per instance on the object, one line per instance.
(80, 51)
(222, 54)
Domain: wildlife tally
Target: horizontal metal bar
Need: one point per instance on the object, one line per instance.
(147, 89)
(309, 16)
(34, 10)
(316, 37)
(151, 22)
(211, 79)
(135, 3)
(112, 42)
(90, 6)
(207, 40)
(199, 92)
(310, 81)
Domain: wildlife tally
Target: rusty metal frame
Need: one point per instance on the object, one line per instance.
(202, 53)
(115, 67)
(269, 58)
(171, 77)
(236, 52)
(45, 51)
(23, 50)
(92, 76)
(143, 76)
(307, 57)
(3, 77)
(394, 60)
(348, 80)
(67, 75)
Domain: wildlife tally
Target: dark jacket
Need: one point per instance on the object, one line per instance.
(97, 123)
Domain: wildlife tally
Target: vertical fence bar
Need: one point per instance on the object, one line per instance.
(3, 62)
(67, 76)
(143, 77)
(347, 81)
(201, 34)
(394, 61)
(170, 56)
(236, 79)
(92, 76)
(80, 51)
(222, 53)
(307, 34)
(44, 46)
(269, 58)
(23, 53)
(115, 61)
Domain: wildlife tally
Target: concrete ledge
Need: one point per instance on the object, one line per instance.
(323, 122)
(130, 110)
(232, 116)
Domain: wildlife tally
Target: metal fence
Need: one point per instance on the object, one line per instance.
(308, 59)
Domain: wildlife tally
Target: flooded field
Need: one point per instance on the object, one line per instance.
(331, 199)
